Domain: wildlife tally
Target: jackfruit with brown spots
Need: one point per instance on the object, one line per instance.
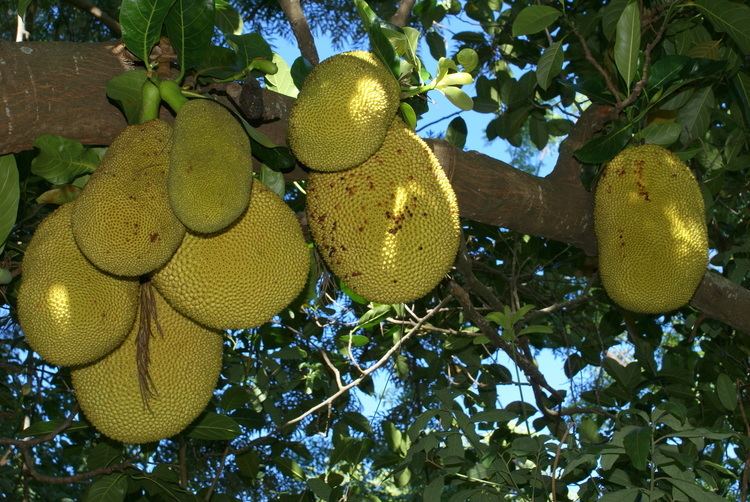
(343, 111)
(122, 220)
(388, 228)
(210, 167)
(71, 312)
(650, 226)
(184, 366)
(243, 276)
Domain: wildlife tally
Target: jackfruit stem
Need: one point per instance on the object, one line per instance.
(150, 102)
(172, 94)
(148, 318)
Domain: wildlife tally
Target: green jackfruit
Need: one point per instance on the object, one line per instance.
(388, 228)
(243, 276)
(651, 230)
(122, 220)
(210, 167)
(184, 366)
(343, 111)
(71, 312)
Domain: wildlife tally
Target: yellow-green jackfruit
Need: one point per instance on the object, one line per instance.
(210, 167)
(122, 220)
(388, 228)
(71, 312)
(651, 230)
(343, 111)
(241, 277)
(184, 366)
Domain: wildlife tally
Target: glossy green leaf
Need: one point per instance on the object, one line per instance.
(48, 426)
(22, 6)
(290, 468)
(9, 195)
(228, 20)
(248, 47)
(610, 14)
(126, 89)
(468, 58)
(666, 70)
(60, 160)
(661, 133)
(626, 495)
(408, 114)
(319, 488)
(382, 47)
(637, 445)
(456, 132)
(436, 44)
(726, 391)
(728, 17)
(141, 22)
(107, 488)
(606, 146)
(273, 180)
(434, 489)
(189, 25)
(213, 426)
(695, 115)
(458, 97)
(694, 491)
(282, 81)
(628, 42)
(392, 436)
(366, 14)
(550, 65)
(534, 19)
(454, 79)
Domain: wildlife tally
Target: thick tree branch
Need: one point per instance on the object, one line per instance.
(293, 11)
(98, 13)
(44, 84)
(401, 16)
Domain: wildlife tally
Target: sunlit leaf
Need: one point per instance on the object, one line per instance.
(60, 160)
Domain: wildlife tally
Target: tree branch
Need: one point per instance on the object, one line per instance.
(401, 16)
(293, 11)
(99, 14)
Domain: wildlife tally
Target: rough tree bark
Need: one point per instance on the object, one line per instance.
(58, 88)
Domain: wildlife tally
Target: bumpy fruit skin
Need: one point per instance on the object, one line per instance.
(71, 312)
(343, 111)
(210, 167)
(651, 230)
(122, 220)
(390, 227)
(184, 366)
(242, 277)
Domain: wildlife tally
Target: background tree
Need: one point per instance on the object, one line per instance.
(656, 406)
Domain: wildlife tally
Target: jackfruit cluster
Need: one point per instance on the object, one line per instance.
(127, 286)
(650, 224)
(380, 208)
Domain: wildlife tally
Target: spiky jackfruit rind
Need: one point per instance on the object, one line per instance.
(242, 277)
(71, 312)
(650, 225)
(184, 366)
(343, 111)
(390, 227)
(210, 167)
(122, 220)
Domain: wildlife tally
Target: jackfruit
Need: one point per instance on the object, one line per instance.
(184, 366)
(241, 277)
(343, 111)
(210, 167)
(122, 220)
(390, 227)
(651, 230)
(71, 312)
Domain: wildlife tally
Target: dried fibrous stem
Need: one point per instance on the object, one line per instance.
(148, 319)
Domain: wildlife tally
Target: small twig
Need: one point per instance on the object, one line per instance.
(556, 307)
(401, 16)
(333, 368)
(99, 14)
(28, 460)
(46, 437)
(464, 265)
(450, 115)
(218, 474)
(556, 462)
(380, 362)
(293, 11)
(641, 84)
(592, 60)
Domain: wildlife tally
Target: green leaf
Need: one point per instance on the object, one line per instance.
(319, 488)
(695, 115)
(107, 488)
(456, 132)
(661, 133)
(355, 340)
(382, 47)
(627, 495)
(189, 25)
(22, 6)
(436, 44)
(694, 491)
(468, 58)
(628, 42)
(666, 70)
(534, 19)
(126, 89)
(366, 13)
(282, 81)
(637, 445)
(9, 195)
(228, 20)
(103, 454)
(249, 464)
(726, 391)
(433, 490)
(728, 17)
(606, 146)
(248, 47)
(374, 316)
(46, 427)
(273, 180)
(458, 97)
(213, 426)
(550, 65)
(60, 160)
(610, 14)
(291, 468)
(453, 79)
(408, 114)
(141, 22)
